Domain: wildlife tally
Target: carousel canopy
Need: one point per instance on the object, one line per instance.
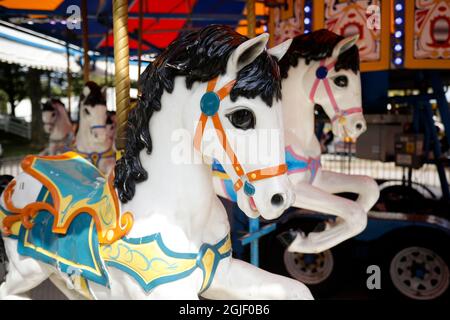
(20, 46)
(163, 20)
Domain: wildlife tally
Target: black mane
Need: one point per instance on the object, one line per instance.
(47, 106)
(95, 95)
(199, 56)
(316, 46)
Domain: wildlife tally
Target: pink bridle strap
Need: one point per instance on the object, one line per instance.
(347, 112)
(321, 76)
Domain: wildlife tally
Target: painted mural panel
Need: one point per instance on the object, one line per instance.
(429, 45)
(369, 19)
(287, 21)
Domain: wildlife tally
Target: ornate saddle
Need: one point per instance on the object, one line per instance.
(76, 186)
(75, 225)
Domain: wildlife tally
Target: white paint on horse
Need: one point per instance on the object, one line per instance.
(178, 201)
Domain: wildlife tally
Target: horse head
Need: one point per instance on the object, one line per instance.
(329, 78)
(228, 91)
(49, 115)
(93, 114)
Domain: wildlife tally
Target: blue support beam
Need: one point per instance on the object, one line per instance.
(252, 238)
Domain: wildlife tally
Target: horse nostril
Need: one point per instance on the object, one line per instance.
(277, 200)
(359, 126)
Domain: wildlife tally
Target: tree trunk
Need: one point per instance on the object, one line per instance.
(35, 94)
(13, 106)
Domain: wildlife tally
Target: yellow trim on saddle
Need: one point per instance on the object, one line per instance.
(221, 175)
(14, 231)
(151, 263)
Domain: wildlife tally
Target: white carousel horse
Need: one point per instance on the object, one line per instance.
(169, 238)
(93, 138)
(320, 68)
(58, 126)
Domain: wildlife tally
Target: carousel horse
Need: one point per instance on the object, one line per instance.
(168, 238)
(58, 126)
(93, 140)
(320, 68)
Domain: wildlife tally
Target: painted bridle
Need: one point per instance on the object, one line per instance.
(321, 76)
(209, 105)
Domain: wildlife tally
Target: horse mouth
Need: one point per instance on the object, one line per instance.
(252, 203)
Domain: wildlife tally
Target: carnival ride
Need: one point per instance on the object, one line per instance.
(379, 24)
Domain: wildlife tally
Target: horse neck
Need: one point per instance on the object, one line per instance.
(298, 110)
(62, 127)
(175, 195)
(84, 143)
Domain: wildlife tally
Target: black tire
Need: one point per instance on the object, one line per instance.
(319, 272)
(323, 282)
(415, 266)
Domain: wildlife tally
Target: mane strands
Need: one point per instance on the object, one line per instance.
(316, 46)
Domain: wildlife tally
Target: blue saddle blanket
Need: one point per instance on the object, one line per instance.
(74, 253)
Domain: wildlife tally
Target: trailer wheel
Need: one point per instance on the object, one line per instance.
(419, 273)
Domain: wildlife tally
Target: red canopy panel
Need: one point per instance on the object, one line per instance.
(157, 32)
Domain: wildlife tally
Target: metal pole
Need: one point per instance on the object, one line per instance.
(141, 10)
(106, 51)
(251, 18)
(85, 28)
(69, 81)
(122, 75)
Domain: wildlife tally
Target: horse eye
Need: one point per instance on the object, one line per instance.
(86, 111)
(242, 119)
(53, 114)
(341, 81)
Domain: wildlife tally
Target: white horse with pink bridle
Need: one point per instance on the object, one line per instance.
(94, 137)
(58, 126)
(320, 68)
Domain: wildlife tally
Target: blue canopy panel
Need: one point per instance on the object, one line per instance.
(163, 20)
(222, 7)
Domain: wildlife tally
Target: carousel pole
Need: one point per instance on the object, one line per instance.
(141, 11)
(251, 18)
(122, 76)
(253, 223)
(69, 81)
(84, 24)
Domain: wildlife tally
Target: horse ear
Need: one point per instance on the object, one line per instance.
(344, 45)
(104, 88)
(246, 53)
(86, 91)
(280, 50)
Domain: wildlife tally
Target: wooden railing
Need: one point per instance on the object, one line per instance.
(16, 126)
(10, 166)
